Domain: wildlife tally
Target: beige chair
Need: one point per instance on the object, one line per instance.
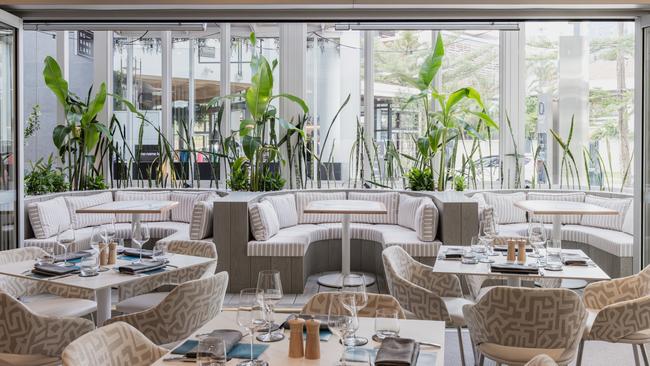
(541, 360)
(427, 295)
(619, 312)
(319, 305)
(27, 338)
(512, 325)
(148, 293)
(184, 310)
(116, 344)
(42, 297)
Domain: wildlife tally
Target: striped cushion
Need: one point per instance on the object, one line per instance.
(628, 221)
(46, 217)
(289, 242)
(426, 219)
(567, 197)
(285, 208)
(186, 201)
(201, 223)
(408, 205)
(264, 220)
(81, 220)
(408, 240)
(504, 207)
(389, 199)
(613, 242)
(303, 199)
(143, 195)
(613, 222)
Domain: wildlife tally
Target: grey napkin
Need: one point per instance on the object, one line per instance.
(48, 269)
(397, 352)
(230, 337)
(134, 268)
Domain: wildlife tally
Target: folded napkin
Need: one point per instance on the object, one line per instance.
(230, 337)
(514, 268)
(574, 260)
(135, 268)
(453, 254)
(397, 352)
(135, 252)
(49, 269)
(72, 256)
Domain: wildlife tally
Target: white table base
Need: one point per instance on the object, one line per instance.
(103, 300)
(335, 280)
(556, 236)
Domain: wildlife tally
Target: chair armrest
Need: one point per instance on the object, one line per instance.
(173, 277)
(441, 284)
(600, 294)
(609, 325)
(422, 302)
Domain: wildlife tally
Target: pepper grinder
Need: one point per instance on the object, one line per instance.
(312, 349)
(521, 255)
(511, 251)
(112, 253)
(296, 347)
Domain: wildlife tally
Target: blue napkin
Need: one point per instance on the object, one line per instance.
(325, 334)
(240, 350)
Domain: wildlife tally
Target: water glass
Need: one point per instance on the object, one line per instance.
(536, 237)
(159, 252)
(47, 257)
(211, 351)
(553, 255)
(88, 266)
(386, 323)
(270, 284)
(476, 245)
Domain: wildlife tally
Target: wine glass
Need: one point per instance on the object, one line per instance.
(64, 238)
(271, 286)
(139, 236)
(537, 238)
(354, 298)
(486, 237)
(98, 241)
(251, 314)
(340, 321)
(111, 231)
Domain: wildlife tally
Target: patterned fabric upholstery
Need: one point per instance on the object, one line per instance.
(195, 248)
(504, 208)
(541, 360)
(417, 288)
(81, 220)
(567, 197)
(45, 217)
(622, 306)
(303, 199)
(23, 332)
(613, 222)
(285, 207)
(518, 318)
(319, 305)
(183, 311)
(264, 221)
(143, 195)
(389, 199)
(201, 223)
(112, 345)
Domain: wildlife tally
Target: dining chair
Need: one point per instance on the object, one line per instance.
(319, 305)
(147, 293)
(116, 344)
(619, 312)
(27, 338)
(425, 294)
(187, 307)
(541, 360)
(44, 297)
(512, 325)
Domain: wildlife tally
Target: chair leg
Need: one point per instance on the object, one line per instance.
(460, 345)
(644, 354)
(481, 360)
(636, 356)
(474, 353)
(580, 349)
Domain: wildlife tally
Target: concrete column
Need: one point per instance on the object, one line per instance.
(350, 84)
(224, 90)
(166, 122)
(62, 56)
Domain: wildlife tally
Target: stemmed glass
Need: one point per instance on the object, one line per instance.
(64, 238)
(271, 286)
(139, 236)
(340, 321)
(537, 238)
(354, 298)
(97, 237)
(487, 232)
(251, 314)
(110, 230)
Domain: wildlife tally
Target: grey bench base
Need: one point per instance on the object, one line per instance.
(613, 265)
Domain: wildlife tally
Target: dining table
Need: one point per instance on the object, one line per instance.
(136, 208)
(430, 334)
(102, 283)
(346, 208)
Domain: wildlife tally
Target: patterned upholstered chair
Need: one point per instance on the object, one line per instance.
(148, 293)
(619, 312)
(112, 345)
(427, 295)
(541, 360)
(319, 304)
(27, 338)
(187, 307)
(44, 298)
(512, 325)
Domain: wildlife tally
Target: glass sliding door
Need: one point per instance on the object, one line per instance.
(8, 158)
(645, 161)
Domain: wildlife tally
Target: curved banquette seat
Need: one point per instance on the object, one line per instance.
(608, 240)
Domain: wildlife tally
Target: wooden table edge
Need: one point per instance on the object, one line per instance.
(92, 210)
(605, 211)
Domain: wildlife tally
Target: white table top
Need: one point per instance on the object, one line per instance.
(109, 278)
(330, 351)
(346, 207)
(587, 273)
(542, 207)
(130, 207)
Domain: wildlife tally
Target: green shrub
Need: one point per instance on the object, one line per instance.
(45, 178)
(420, 179)
(459, 183)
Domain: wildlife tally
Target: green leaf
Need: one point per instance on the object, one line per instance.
(95, 106)
(59, 134)
(246, 126)
(54, 80)
(91, 137)
(486, 118)
(250, 145)
(431, 65)
(258, 95)
(295, 99)
(253, 39)
(423, 146)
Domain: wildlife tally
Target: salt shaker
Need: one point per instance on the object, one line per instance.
(511, 251)
(312, 349)
(296, 347)
(521, 255)
(103, 254)
(112, 252)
